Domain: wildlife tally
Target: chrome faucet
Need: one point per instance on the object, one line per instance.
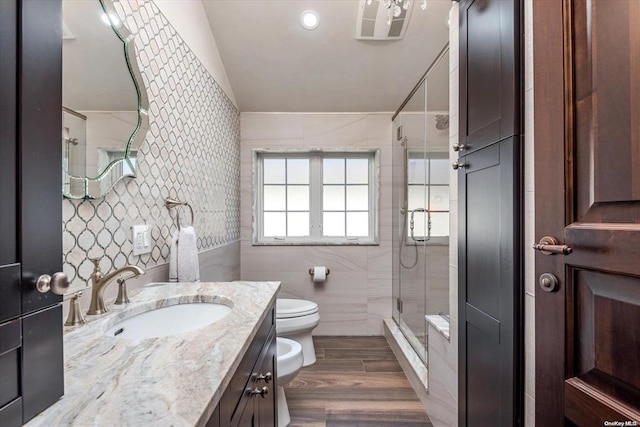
(99, 283)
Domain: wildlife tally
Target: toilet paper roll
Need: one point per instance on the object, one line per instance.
(319, 274)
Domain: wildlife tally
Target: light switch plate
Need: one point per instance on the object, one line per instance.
(141, 239)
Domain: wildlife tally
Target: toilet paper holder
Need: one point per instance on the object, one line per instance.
(311, 271)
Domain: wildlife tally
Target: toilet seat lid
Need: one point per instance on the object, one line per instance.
(288, 308)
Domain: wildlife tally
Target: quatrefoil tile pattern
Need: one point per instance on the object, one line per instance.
(191, 152)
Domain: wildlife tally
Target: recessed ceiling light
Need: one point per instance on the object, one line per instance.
(310, 19)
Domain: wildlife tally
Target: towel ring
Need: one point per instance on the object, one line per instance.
(178, 215)
(173, 203)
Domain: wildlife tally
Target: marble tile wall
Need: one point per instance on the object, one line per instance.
(191, 152)
(357, 294)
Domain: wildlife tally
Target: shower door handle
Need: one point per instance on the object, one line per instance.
(411, 225)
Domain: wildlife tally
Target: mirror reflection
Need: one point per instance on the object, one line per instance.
(104, 105)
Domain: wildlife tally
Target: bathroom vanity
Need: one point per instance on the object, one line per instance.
(250, 397)
(221, 374)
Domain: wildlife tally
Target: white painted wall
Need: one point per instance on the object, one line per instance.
(357, 294)
(529, 221)
(190, 21)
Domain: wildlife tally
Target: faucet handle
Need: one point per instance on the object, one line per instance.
(97, 273)
(122, 297)
(75, 316)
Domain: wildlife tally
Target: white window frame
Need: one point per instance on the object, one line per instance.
(315, 197)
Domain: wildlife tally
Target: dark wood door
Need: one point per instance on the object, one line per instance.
(489, 71)
(587, 156)
(489, 283)
(31, 365)
(489, 196)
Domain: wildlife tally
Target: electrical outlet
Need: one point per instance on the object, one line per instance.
(141, 239)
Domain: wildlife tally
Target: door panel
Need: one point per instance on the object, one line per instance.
(483, 235)
(8, 101)
(489, 64)
(40, 152)
(489, 284)
(588, 129)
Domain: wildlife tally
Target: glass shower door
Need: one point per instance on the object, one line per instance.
(411, 220)
(421, 172)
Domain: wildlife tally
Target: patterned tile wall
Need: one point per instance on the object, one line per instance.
(191, 152)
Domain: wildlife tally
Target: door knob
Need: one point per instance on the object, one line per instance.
(458, 165)
(265, 377)
(550, 246)
(262, 392)
(58, 283)
(459, 147)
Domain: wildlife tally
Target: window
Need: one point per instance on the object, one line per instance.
(428, 198)
(315, 197)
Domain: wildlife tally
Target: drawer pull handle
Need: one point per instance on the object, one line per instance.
(264, 377)
(262, 392)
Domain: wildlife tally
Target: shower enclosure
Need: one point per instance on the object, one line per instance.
(421, 170)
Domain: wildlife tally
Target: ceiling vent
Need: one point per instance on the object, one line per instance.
(373, 22)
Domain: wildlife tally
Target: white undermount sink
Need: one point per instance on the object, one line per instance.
(169, 320)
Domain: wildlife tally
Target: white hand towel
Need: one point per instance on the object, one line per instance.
(173, 258)
(188, 268)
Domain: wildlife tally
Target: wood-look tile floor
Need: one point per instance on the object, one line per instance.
(356, 381)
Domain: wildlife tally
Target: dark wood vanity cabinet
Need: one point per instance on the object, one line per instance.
(31, 353)
(251, 397)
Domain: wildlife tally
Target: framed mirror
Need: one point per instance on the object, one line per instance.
(105, 107)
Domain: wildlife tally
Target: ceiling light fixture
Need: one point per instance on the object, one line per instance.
(310, 19)
(395, 7)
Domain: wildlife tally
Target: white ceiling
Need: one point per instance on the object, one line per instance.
(95, 76)
(274, 64)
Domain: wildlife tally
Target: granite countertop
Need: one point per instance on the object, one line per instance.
(439, 323)
(176, 380)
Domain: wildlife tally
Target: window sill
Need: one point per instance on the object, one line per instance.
(366, 243)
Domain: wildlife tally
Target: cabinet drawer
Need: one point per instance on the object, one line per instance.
(11, 414)
(10, 296)
(10, 342)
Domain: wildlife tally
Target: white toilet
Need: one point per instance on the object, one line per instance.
(289, 363)
(295, 319)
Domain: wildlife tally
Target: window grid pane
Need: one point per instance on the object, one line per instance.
(297, 171)
(273, 171)
(346, 194)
